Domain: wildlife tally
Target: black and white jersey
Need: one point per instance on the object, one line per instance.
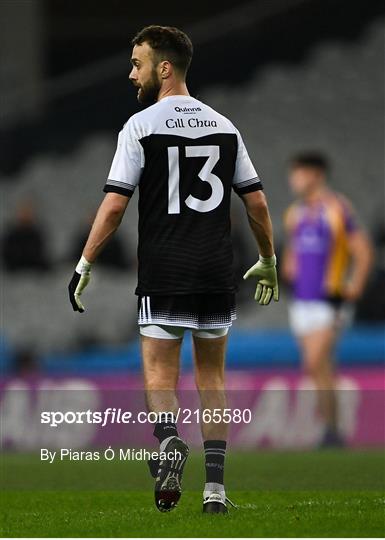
(185, 157)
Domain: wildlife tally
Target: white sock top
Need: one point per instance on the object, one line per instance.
(211, 487)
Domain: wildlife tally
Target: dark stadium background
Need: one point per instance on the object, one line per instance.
(291, 74)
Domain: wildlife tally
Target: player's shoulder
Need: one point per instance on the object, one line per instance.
(294, 207)
(339, 201)
(139, 125)
(139, 118)
(344, 200)
(224, 120)
(292, 214)
(341, 209)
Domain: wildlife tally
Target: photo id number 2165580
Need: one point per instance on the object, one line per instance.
(216, 416)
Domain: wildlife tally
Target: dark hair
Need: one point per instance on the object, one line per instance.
(168, 43)
(313, 160)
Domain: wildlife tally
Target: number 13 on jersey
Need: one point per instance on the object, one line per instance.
(205, 174)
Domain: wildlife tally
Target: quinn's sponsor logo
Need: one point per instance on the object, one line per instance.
(187, 110)
(172, 123)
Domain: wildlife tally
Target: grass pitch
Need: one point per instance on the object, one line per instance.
(329, 493)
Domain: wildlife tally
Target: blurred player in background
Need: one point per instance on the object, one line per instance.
(186, 159)
(326, 261)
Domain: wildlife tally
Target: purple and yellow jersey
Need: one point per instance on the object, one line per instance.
(318, 235)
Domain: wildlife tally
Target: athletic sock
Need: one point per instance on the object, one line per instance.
(215, 452)
(165, 430)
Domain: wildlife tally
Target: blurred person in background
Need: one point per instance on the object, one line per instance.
(23, 245)
(326, 261)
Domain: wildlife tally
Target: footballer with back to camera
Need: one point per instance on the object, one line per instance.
(185, 159)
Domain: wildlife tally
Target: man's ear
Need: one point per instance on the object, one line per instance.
(165, 68)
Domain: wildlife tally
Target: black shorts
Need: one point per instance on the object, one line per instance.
(198, 311)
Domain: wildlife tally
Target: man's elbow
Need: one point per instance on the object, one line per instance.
(115, 211)
(114, 206)
(255, 202)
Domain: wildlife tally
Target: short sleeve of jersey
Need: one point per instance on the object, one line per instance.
(127, 164)
(245, 178)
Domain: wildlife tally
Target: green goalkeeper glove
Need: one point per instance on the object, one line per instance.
(267, 283)
(78, 283)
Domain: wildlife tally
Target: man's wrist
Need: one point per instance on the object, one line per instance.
(268, 261)
(83, 266)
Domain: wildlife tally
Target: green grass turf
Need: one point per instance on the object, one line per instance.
(333, 493)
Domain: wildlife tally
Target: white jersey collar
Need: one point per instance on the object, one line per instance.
(176, 98)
